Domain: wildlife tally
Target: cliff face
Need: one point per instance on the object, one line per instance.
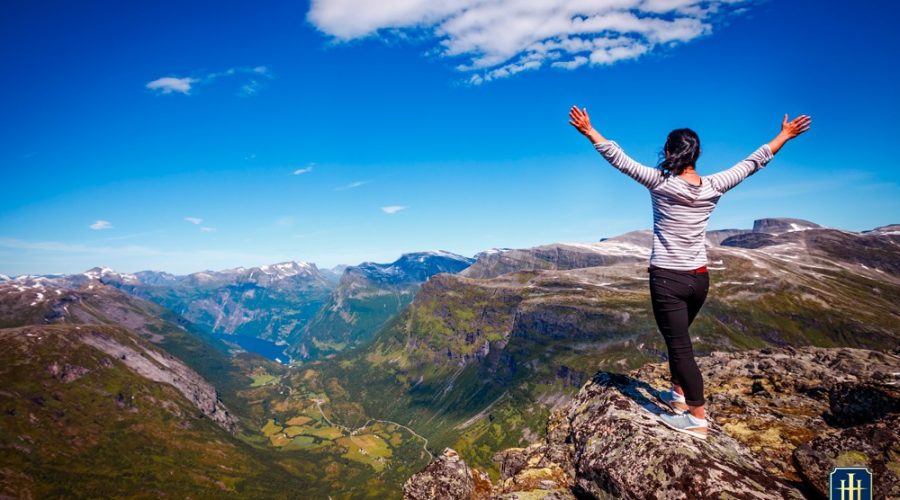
(93, 411)
(160, 366)
(149, 340)
(121, 347)
(781, 420)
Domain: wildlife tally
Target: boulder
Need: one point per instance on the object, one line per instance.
(875, 446)
(622, 450)
(447, 477)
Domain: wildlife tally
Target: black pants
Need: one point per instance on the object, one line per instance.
(677, 297)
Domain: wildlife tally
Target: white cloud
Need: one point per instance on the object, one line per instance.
(194, 220)
(352, 185)
(392, 209)
(170, 84)
(100, 225)
(571, 64)
(251, 86)
(498, 38)
(304, 170)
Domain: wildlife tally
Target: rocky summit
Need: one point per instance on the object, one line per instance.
(781, 420)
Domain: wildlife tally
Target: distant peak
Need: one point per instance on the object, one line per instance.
(889, 229)
(492, 251)
(97, 273)
(433, 253)
(288, 268)
(778, 225)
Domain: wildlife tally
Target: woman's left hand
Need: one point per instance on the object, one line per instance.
(582, 122)
(579, 119)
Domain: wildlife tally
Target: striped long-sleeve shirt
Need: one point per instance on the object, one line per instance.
(681, 210)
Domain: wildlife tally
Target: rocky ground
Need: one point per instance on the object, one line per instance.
(781, 420)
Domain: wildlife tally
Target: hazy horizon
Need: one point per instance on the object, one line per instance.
(321, 266)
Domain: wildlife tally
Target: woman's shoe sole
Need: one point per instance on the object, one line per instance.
(698, 435)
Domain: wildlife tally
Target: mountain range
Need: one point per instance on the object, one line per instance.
(290, 303)
(395, 361)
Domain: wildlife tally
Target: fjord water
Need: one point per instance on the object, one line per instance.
(262, 347)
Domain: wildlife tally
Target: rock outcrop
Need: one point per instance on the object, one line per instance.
(875, 446)
(781, 420)
(448, 476)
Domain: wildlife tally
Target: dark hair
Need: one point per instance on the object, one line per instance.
(683, 146)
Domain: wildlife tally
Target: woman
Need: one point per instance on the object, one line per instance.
(682, 203)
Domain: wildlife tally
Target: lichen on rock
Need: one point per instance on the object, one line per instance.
(447, 477)
(781, 419)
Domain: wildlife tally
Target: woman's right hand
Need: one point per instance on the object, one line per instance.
(789, 130)
(795, 127)
(579, 119)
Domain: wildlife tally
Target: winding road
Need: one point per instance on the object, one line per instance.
(363, 426)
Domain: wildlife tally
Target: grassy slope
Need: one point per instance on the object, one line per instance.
(114, 433)
(144, 449)
(335, 329)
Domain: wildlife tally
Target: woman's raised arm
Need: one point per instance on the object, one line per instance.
(648, 176)
(789, 130)
(727, 179)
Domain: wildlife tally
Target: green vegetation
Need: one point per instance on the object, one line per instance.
(356, 319)
(548, 335)
(113, 433)
(476, 364)
(369, 449)
(263, 379)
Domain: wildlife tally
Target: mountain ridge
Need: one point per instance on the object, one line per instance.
(770, 225)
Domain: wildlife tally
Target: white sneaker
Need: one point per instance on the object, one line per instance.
(687, 424)
(674, 401)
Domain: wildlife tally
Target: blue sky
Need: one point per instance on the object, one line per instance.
(415, 126)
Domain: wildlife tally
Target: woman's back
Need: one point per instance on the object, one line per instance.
(680, 215)
(681, 210)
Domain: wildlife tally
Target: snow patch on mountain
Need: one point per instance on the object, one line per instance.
(613, 247)
(103, 272)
